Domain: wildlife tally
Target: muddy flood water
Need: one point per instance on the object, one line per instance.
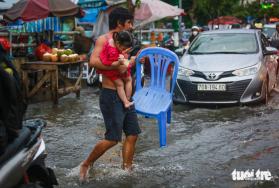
(204, 145)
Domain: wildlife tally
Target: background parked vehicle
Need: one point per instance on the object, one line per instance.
(269, 29)
(227, 66)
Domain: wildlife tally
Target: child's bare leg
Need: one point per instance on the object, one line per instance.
(119, 83)
(128, 87)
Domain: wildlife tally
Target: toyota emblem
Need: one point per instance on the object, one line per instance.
(212, 76)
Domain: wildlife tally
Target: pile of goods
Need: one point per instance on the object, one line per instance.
(62, 55)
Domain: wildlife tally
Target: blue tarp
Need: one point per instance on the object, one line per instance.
(91, 15)
(51, 23)
(91, 9)
(44, 25)
(91, 3)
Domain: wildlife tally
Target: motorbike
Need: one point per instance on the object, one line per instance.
(22, 165)
(93, 77)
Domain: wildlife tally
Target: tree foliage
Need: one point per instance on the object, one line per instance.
(201, 11)
(205, 10)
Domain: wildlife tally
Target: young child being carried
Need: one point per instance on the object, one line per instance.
(112, 55)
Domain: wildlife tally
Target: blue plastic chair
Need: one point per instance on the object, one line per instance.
(155, 100)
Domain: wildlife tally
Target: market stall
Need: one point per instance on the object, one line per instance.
(150, 11)
(48, 70)
(54, 79)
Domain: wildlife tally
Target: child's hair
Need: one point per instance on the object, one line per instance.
(123, 38)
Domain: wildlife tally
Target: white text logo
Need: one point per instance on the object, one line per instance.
(238, 175)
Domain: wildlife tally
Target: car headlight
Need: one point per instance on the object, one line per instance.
(185, 72)
(247, 71)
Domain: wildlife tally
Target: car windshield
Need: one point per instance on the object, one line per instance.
(269, 31)
(228, 43)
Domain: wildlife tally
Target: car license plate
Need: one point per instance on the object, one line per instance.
(211, 87)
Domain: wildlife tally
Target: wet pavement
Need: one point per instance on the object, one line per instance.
(205, 145)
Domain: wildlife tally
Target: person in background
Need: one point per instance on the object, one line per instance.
(275, 37)
(116, 117)
(195, 31)
(13, 104)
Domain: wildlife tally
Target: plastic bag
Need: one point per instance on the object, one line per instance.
(41, 49)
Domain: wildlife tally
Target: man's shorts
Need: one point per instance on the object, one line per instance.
(116, 117)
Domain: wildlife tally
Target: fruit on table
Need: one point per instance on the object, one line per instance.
(41, 50)
(54, 50)
(47, 56)
(54, 57)
(68, 52)
(76, 56)
(72, 58)
(61, 55)
(60, 52)
(64, 58)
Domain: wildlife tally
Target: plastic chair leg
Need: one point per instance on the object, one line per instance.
(169, 116)
(162, 129)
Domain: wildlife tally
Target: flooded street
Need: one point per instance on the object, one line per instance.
(205, 145)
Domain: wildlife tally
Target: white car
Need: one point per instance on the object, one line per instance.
(227, 67)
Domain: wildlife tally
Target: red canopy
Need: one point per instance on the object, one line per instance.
(224, 20)
(29, 10)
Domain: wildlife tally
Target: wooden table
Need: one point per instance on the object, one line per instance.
(51, 76)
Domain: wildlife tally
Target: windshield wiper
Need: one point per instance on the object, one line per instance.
(196, 53)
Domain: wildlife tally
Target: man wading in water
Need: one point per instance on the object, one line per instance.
(116, 117)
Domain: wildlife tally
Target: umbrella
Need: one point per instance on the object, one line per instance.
(30, 10)
(224, 20)
(153, 10)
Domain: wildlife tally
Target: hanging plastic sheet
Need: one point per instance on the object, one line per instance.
(91, 9)
(46, 24)
(90, 15)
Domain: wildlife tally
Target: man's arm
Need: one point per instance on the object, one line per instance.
(95, 60)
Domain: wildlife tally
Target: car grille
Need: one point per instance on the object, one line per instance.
(233, 92)
(202, 75)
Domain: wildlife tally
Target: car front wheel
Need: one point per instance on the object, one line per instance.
(266, 92)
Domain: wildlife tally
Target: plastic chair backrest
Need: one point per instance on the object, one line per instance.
(160, 59)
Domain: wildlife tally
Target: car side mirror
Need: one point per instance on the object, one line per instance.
(270, 51)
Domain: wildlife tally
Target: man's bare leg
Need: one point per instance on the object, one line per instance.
(99, 149)
(128, 151)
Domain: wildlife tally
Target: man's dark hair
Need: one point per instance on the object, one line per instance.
(119, 16)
